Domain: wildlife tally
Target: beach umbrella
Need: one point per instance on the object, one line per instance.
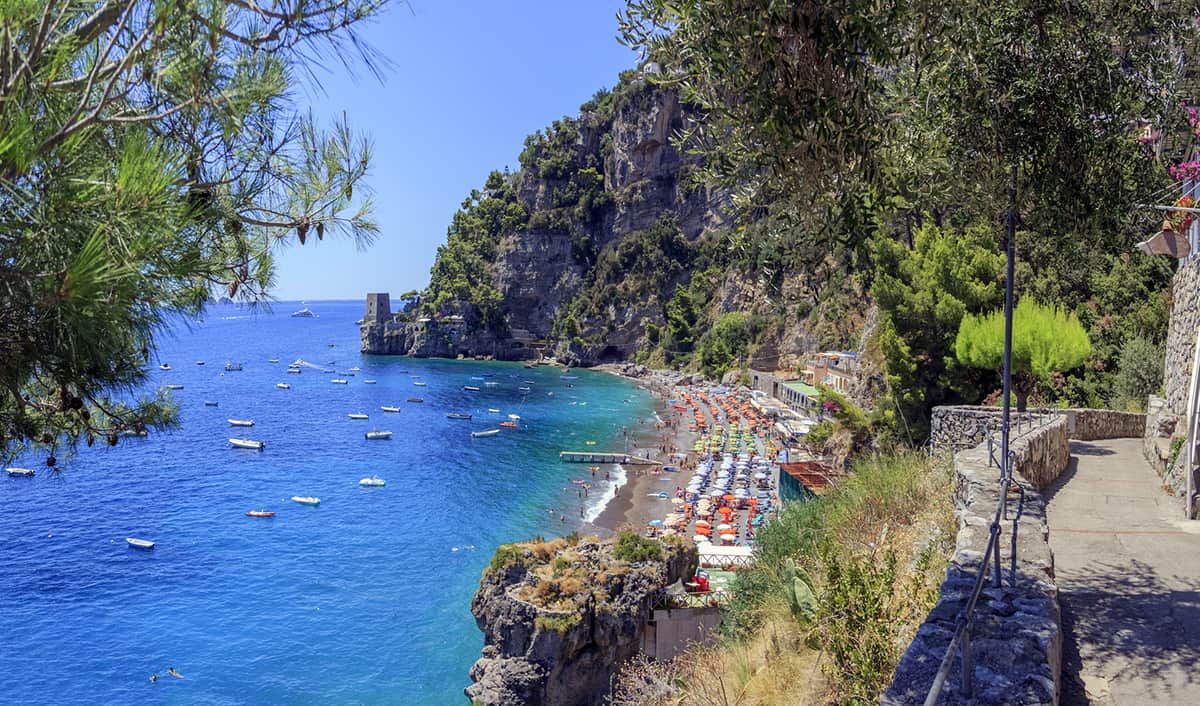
(655, 523)
(700, 539)
(728, 537)
(702, 523)
(722, 527)
(703, 530)
(729, 498)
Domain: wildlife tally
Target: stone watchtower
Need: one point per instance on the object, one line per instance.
(379, 308)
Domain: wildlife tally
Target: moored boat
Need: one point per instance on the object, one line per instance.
(19, 472)
(415, 399)
(304, 313)
(248, 444)
(306, 500)
(294, 371)
(373, 481)
(368, 382)
(457, 415)
(493, 411)
(283, 386)
(339, 381)
(136, 543)
(418, 383)
(489, 432)
(272, 360)
(514, 417)
(378, 435)
(470, 388)
(509, 425)
(164, 366)
(356, 370)
(199, 362)
(233, 366)
(211, 403)
(259, 513)
(357, 415)
(174, 387)
(240, 422)
(387, 408)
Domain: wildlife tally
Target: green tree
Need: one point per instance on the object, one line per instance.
(1140, 374)
(150, 156)
(1045, 340)
(922, 294)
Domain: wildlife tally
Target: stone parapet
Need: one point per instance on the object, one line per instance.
(1093, 424)
(1016, 640)
(1181, 335)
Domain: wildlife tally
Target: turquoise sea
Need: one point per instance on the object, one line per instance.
(363, 599)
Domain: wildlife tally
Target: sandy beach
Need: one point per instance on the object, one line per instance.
(633, 506)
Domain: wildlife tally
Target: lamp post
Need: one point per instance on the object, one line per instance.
(1010, 238)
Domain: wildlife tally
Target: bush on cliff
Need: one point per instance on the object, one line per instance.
(633, 548)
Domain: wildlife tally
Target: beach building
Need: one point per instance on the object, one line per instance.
(803, 476)
(800, 396)
(790, 391)
(832, 369)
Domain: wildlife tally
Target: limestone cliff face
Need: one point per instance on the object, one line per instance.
(560, 619)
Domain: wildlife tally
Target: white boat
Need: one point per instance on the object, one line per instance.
(248, 444)
(240, 422)
(136, 543)
(306, 500)
(523, 389)
(164, 366)
(357, 415)
(356, 370)
(378, 435)
(20, 472)
(515, 417)
(390, 409)
(304, 313)
(493, 411)
(283, 386)
(174, 387)
(339, 381)
(491, 384)
(418, 383)
(373, 481)
(489, 432)
(470, 388)
(368, 382)
(199, 362)
(272, 360)
(294, 371)
(211, 403)
(233, 366)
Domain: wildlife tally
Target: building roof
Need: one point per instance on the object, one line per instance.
(814, 474)
(802, 387)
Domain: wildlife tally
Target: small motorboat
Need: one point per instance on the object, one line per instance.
(356, 370)
(491, 384)
(283, 386)
(515, 417)
(347, 373)
(523, 389)
(476, 377)
(357, 415)
(590, 442)
(259, 513)
(248, 444)
(418, 383)
(457, 415)
(470, 388)
(164, 366)
(489, 432)
(240, 422)
(304, 313)
(377, 435)
(306, 500)
(509, 425)
(20, 472)
(272, 360)
(415, 399)
(527, 382)
(493, 411)
(199, 362)
(373, 482)
(386, 408)
(211, 403)
(233, 366)
(174, 387)
(339, 381)
(368, 382)
(143, 544)
(568, 377)
(294, 371)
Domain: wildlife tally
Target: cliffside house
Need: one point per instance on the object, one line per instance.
(832, 369)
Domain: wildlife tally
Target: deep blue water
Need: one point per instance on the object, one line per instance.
(359, 600)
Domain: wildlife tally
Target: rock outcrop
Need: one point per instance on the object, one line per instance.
(560, 618)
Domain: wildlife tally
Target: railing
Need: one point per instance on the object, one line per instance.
(1021, 424)
(704, 599)
(740, 562)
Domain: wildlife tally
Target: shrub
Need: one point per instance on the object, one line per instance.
(558, 623)
(506, 555)
(633, 548)
(1139, 375)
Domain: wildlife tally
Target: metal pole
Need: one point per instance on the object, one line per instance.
(1008, 316)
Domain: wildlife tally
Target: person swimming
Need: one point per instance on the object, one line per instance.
(172, 672)
(154, 677)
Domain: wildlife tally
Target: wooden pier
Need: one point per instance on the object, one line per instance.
(604, 457)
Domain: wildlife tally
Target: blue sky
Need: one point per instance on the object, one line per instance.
(471, 79)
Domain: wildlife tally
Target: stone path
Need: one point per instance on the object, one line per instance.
(1128, 574)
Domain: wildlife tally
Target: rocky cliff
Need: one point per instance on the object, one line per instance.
(603, 247)
(560, 617)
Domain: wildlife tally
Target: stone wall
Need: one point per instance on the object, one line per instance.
(1016, 643)
(1092, 424)
(958, 427)
(1181, 335)
(1160, 447)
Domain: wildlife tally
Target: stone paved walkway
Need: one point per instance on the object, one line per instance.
(1128, 573)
